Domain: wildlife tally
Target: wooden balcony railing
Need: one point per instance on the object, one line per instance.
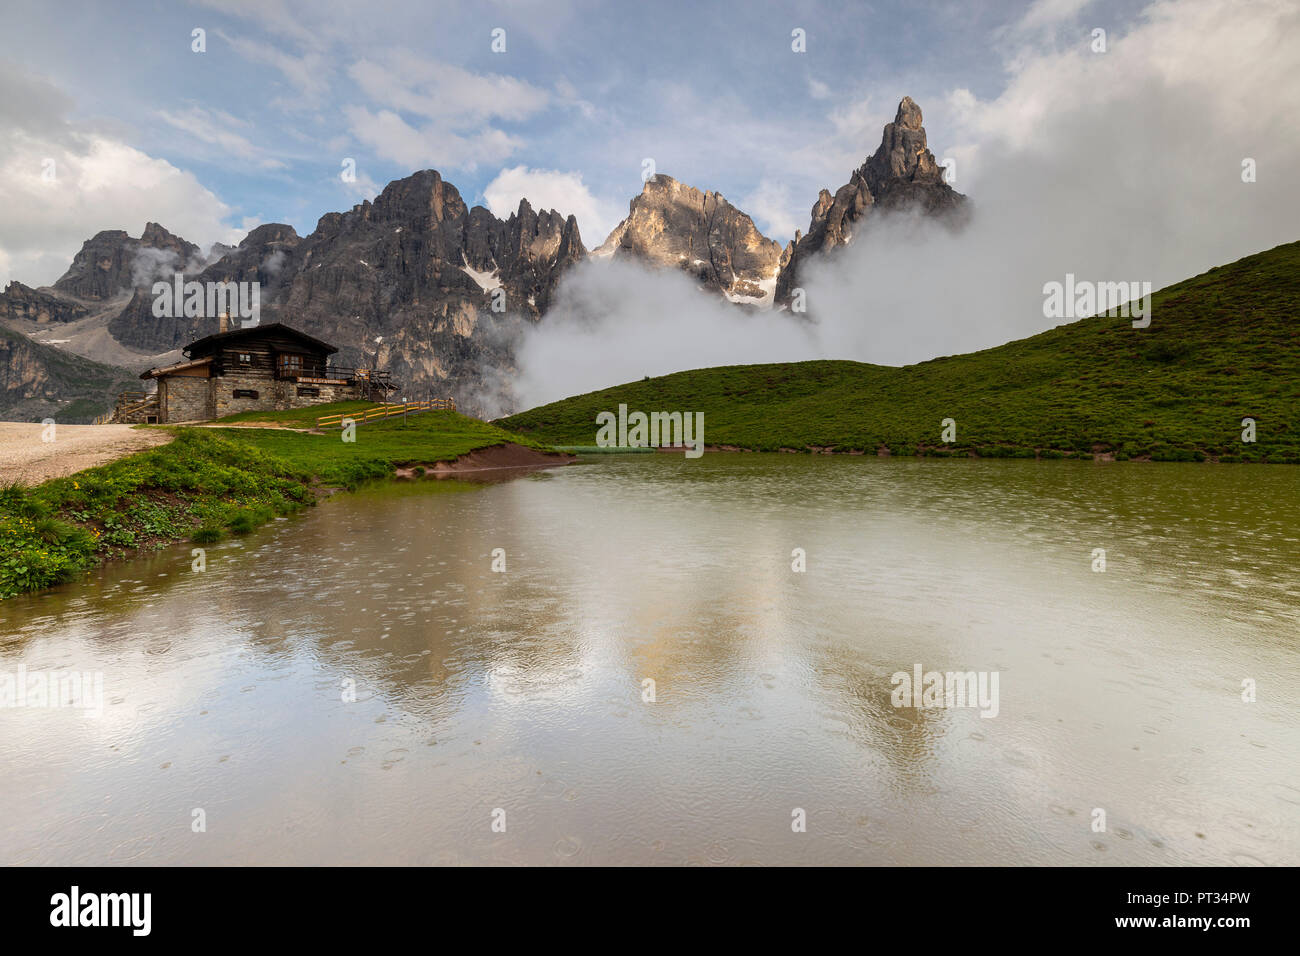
(333, 373)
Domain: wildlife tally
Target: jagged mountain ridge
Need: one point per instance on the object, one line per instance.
(409, 281)
(416, 255)
(23, 303)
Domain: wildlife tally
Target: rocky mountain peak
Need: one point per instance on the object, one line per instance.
(270, 232)
(156, 236)
(415, 268)
(423, 199)
(908, 115)
(23, 303)
(671, 224)
(902, 154)
(900, 174)
(107, 262)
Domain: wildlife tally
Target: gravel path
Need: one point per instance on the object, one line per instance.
(25, 458)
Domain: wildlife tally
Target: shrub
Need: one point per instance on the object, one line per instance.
(206, 534)
(243, 522)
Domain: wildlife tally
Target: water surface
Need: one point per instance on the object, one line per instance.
(522, 691)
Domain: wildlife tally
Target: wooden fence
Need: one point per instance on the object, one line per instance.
(380, 412)
(128, 403)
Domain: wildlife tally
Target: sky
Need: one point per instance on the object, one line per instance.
(1115, 161)
(140, 126)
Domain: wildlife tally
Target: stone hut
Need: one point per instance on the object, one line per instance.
(262, 367)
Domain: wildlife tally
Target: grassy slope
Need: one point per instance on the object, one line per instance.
(206, 483)
(1221, 346)
(298, 417)
(380, 446)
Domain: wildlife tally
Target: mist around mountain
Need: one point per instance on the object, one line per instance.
(439, 293)
(1214, 376)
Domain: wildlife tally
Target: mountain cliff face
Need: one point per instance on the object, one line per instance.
(23, 303)
(901, 174)
(671, 224)
(38, 381)
(424, 286)
(264, 256)
(108, 262)
(416, 282)
(674, 225)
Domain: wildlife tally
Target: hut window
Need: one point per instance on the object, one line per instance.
(304, 392)
(245, 393)
(245, 358)
(291, 364)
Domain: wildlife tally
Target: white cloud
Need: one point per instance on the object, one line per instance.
(392, 138)
(1044, 14)
(775, 210)
(1123, 166)
(552, 189)
(1194, 76)
(458, 108)
(818, 90)
(441, 92)
(363, 187)
(290, 20)
(308, 73)
(218, 128)
(98, 183)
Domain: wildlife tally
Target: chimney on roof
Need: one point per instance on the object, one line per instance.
(224, 322)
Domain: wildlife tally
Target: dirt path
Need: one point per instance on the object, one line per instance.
(25, 458)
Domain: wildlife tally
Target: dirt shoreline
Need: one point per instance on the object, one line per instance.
(497, 458)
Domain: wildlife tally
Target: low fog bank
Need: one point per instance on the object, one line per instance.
(1117, 166)
(616, 321)
(1136, 193)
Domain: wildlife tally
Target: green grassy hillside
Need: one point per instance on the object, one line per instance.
(1221, 347)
